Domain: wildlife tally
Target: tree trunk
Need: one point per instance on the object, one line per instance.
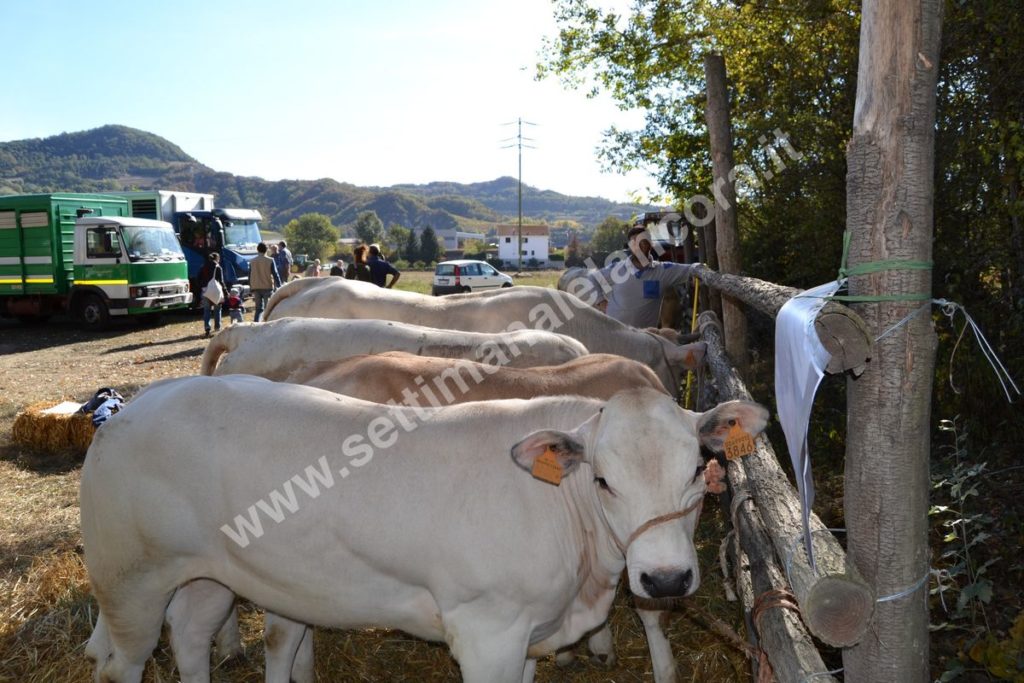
(724, 190)
(890, 163)
(711, 300)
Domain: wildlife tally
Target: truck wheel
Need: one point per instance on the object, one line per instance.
(92, 312)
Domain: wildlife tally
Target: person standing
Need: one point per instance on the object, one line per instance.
(212, 271)
(263, 279)
(380, 269)
(638, 284)
(283, 259)
(358, 270)
(313, 269)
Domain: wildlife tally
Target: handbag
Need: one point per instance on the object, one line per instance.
(213, 291)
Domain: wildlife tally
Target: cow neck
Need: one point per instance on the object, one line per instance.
(600, 561)
(676, 377)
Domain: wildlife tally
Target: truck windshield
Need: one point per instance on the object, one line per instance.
(242, 235)
(151, 244)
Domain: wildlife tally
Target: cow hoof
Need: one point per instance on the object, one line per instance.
(604, 659)
(566, 659)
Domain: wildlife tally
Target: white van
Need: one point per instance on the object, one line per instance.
(463, 275)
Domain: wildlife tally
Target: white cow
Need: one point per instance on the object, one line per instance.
(275, 349)
(493, 311)
(517, 569)
(385, 378)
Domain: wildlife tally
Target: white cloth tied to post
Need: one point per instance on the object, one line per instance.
(800, 362)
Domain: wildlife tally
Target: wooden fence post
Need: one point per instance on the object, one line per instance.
(890, 162)
(716, 112)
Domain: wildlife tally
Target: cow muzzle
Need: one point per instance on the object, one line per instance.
(667, 584)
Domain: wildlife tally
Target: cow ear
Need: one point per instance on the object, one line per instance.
(568, 451)
(688, 356)
(714, 425)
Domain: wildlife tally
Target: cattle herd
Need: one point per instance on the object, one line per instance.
(477, 469)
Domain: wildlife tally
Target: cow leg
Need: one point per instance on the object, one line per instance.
(489, 657)
(289, 657)
(662, 661)
(530, 670)
(196, 612)
(134, 623)
(229, 637)
(602, 647)
(99, 648)
(302, 667)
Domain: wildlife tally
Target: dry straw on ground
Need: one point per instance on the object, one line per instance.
(52, 432)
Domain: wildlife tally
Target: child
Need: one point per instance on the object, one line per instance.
(234, 304)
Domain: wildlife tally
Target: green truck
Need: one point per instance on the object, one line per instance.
(83, 254)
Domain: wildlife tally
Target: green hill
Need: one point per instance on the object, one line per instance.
(114, 158)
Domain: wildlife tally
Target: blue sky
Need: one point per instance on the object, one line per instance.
(372, 92)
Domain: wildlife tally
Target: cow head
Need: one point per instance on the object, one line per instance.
(669, 360)
(643, 453)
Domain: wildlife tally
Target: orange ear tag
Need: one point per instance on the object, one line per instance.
(738, 443)
(689, 361)
(547, 468)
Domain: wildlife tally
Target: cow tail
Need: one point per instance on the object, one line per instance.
(226, 341)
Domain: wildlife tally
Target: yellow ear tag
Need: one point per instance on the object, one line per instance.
(738, 443)
(547, 468)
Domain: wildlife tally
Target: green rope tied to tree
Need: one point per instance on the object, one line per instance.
(877, 267)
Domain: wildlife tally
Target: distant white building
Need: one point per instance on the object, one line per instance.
(535, 243)
(453, 238)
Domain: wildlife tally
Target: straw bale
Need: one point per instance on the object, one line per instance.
(52, 432)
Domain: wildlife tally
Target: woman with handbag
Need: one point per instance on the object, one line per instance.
(213, 292)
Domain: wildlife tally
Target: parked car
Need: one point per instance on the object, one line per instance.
(452, 277)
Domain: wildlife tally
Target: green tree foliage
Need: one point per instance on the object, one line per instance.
(411, 249)
(474, 248)
(395, 239)
(311, 234)
(791, 68)
(431, 249)
(610, 235)
(369, 228)
(575, 253)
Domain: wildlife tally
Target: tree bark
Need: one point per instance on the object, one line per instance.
(711, 300)
(890, 162)
(724, 190)
(840, 330)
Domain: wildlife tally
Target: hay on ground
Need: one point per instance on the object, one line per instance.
(52, 432)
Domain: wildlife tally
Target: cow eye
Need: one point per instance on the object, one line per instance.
(700, 471)
(602, 483)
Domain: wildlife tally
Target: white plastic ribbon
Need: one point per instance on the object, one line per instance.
(800, 362)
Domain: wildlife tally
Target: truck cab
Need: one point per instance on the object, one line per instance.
(126, 266)
(233, 233)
